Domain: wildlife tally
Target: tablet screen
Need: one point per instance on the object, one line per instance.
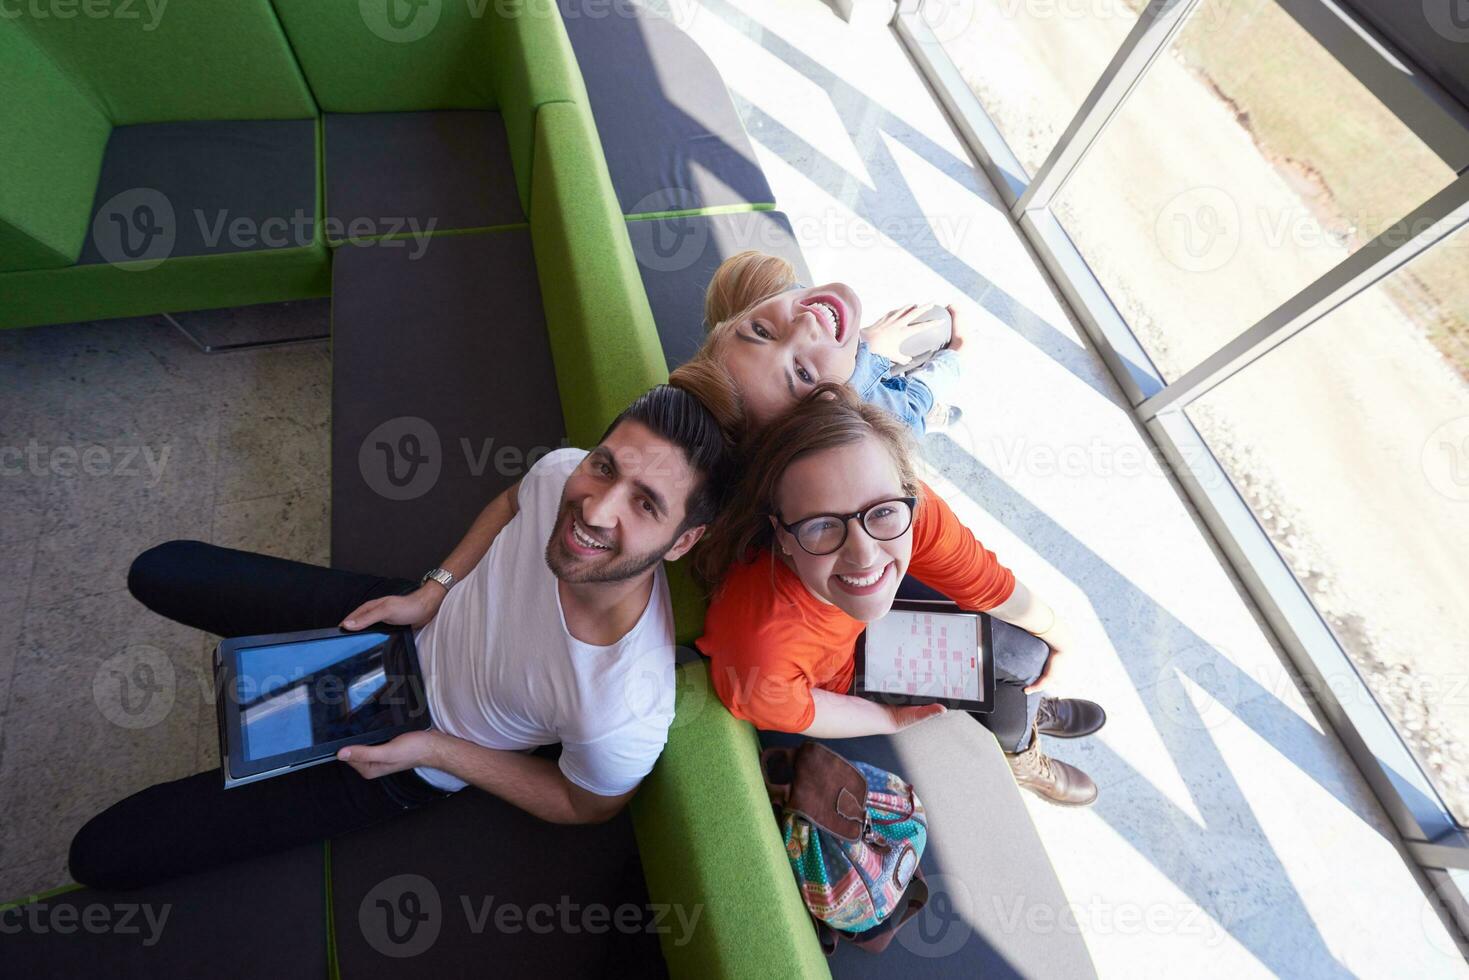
(296, 695)
(929, 654)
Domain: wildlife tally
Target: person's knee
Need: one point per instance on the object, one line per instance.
(160, 564)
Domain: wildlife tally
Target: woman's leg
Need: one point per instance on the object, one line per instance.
(193, 824)
(239, 593)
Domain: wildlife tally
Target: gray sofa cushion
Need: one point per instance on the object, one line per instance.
(672, 138)
(443, 392)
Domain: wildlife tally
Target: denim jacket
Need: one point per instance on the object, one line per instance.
(910, 397)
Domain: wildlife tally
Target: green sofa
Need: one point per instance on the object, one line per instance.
(130, 147)
(199, 81)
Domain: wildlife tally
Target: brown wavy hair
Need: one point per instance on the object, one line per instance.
(831, 415)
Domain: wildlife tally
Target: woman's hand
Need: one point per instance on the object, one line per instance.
(885, 337)
(906, 716)
(959, 332)
(414, 609)
(1059, 643)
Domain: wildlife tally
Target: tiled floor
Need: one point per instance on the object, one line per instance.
(118, 436)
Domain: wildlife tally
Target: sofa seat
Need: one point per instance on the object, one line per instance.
(408, 172)
(442, 388)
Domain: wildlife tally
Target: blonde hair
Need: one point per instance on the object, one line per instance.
(741, 283)
(830, 416)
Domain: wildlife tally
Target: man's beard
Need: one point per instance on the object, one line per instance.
(565, 566)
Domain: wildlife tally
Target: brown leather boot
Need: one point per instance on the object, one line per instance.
(1069, 717)
(1051, 779)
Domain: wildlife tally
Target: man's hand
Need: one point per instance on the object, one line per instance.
(414, 609)
(906, 716)
(407, 751)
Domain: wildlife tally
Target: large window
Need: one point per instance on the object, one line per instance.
(1351, 445)
(1223, 188)
(1031, 62)
(1225, 185)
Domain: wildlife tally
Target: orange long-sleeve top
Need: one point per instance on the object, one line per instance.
(770, 641)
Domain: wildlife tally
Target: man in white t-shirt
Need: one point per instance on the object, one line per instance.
(549, 623)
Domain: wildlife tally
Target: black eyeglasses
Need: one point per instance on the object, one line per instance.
(823, 534)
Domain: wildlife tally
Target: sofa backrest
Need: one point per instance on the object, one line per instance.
(51, 153)
(394, 55)
(173, 60)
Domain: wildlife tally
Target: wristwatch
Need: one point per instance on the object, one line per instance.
(442, 576)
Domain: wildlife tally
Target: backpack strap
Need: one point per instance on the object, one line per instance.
(876, 939)
(816, 783)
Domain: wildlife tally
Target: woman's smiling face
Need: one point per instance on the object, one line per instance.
(861, 577)
(789, 343)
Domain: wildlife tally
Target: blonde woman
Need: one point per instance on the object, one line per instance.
(772, 340)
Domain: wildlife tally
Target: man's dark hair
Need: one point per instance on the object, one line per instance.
(677, 416)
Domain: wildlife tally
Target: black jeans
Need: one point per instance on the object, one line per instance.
(1016, 665)
(194, 823)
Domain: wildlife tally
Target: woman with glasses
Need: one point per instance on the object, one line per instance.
(825, 525)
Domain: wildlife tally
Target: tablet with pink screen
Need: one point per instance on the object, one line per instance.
(927, 652)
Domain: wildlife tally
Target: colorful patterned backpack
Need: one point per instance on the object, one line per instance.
(854, 834)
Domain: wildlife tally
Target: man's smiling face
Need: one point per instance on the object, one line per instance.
(623, 509)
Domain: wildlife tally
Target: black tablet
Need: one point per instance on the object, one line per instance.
(291, 700)
(925, 652)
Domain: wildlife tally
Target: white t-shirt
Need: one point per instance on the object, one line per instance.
(503, 671)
